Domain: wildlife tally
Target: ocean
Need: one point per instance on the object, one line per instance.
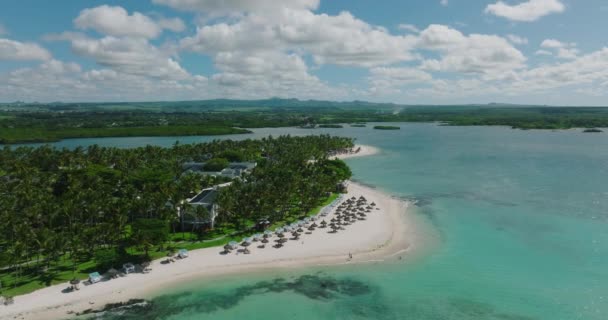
(520, 219)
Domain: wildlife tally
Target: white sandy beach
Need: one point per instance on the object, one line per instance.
(364, 151)
(387, 233)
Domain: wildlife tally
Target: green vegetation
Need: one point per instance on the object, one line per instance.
(26, 135)
(387, 128)
(330, 126)
(358, 125)
(593, 130)
(233, 156)
(216, 164)
(65, 213)
(21, 123)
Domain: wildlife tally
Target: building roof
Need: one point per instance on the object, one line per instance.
(242, 165)
(207, 196)
(234, 169)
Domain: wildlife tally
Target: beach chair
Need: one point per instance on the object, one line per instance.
(94, 277)
(128, 268)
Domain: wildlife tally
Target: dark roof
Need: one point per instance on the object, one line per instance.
(193, 166)
(242, 165)
(200, 166)
(205, 197)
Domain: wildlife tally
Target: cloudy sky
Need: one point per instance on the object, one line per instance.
(412, 52)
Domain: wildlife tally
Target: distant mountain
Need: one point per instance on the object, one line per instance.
(236, 105)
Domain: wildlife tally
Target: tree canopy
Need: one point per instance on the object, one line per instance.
(64, 205)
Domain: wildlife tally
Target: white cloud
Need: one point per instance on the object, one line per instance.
(390, 80)
(226, 7)
(552, 43)
(562, 50)
(15, 50)
(586, 69)
(130, 55)
(527, 11)
(116, 21)
(517, 39)
(472, 54)
(401, 75)
(408, 27)
(567, 53)
(173, 24)
(62, 81)
(3, 30)
(263, 48)
(266, 74)
(444, 2)
(341, 39)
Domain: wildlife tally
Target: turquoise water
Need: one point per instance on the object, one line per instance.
(521, 218)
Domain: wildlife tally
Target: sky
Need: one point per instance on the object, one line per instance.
(548, 52)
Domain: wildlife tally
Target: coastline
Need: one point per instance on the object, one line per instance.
(364, 151)
(387, 234)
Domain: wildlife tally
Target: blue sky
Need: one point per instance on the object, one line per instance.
(412, 52)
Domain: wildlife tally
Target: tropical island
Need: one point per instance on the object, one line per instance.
(104, 223)
(94, 208)
(387, 128)
(26, 123)
(592, 130)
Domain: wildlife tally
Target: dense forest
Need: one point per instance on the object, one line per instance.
(65, 213)
(22, 123)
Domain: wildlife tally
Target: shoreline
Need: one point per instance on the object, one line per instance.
(364, 151)
(388, 234)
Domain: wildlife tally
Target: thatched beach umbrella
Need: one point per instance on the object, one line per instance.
(373, 204)
(227, 248)
(246, 243)
(75, 282)
(265, 240)
(113, 273)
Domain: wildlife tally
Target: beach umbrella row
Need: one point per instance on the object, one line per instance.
(347, 212)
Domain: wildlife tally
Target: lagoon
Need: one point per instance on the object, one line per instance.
(520, 217)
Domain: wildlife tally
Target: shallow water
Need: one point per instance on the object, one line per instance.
(521, 217)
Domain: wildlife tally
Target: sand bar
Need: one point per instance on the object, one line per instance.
(363, 151)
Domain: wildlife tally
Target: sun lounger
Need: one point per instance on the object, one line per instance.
(94, 277)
